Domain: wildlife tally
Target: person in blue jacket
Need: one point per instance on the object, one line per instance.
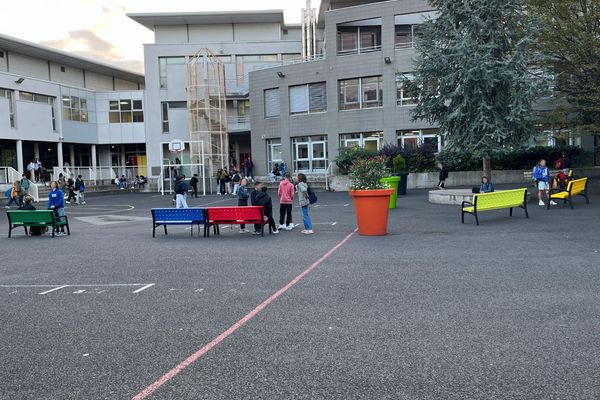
(486, 185)
(56, 202)
(541, 175)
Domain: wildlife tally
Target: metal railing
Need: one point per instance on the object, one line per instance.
(92, 175)
(238, 123)
(359, 50)
(328, 172)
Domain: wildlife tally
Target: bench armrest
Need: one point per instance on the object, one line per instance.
(467, 203)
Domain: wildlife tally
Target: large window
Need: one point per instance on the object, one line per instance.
(359, 37)
(310, 153)
(404, 95)
(411, 139)
(371, 141)
(9, 95)
(164, 112)
(125, 111)
(309, 98)
(272, 105)
(274, 153)
(406, 28)
(163, 62)
(75, 108)
(360, 93)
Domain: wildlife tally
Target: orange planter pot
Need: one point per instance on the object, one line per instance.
(372, 210)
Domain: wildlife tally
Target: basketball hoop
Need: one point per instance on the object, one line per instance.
(176, 146)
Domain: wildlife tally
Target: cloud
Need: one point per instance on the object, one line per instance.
(86, 42)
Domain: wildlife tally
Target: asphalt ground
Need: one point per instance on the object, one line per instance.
(509, 309)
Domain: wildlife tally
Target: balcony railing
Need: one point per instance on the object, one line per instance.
(361, 50)
(291, 61)
(238, 124)
(236, 86)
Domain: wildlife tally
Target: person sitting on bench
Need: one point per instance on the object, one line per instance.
(28, 206)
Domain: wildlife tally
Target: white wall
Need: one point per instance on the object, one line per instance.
(178, 124)
(211, 33)
(28, 66)
(38, 127)
(266, 31)
(176, 82)
(97, 81)
(71, 76)
(170, 34)
(3, 61)
(125, 85)
(4, 118)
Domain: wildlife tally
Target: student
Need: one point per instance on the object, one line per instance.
(442, 176)
(486, 185)
(225, 180)
(142, 182)
(181, 188)
(282, 168)
(79, 189)
(71, 189)
(122, 182)
(286, 192)
(62, 183)
(541, 174)
(257, 189)
(263, 199)
(304, 203)
(31, 171)
(56, 203)
(248, 167)
(219, 172)
(28, 206)
(194, 185)
(242, 195)
(236, 182)
(24, 188)
(14, 196)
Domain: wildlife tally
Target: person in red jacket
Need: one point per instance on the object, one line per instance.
(286, 193)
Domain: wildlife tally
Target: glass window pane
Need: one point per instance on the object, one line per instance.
(26, 96)
(114, 118)
(114, 105)
(347, 39)
(137, 104)
(74, 102)
(349, 94)
(403, 36)
(84, 116)
(317, 97)
(75, 116)
(298, 99)
(272, 106)
(372, 92)
(125, 105)
(138, 116)
(126, 117)
(66, 113)
(370, 38)
(83, 104)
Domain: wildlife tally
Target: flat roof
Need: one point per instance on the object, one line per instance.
(151, 20)
(36, 50)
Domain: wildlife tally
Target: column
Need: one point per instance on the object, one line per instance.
(20, 156)
(72, 155)
(36, 150)
(59, 151)
(94, 161)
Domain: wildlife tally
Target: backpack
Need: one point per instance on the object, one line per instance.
(312, 197)
(560, 163)
(8, 192)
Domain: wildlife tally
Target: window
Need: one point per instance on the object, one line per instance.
(9, 95)
(290, 58)
(272, 105)
(359, 37)
(36, 98)
(63, 69)
(75, 108)
(125, 111)
(404, 96)
(165, 116)
(411, 139)
(163, 62)
(274, 153)
(371, 141)
(407, 26)
(360, 93)
(309, 98)
(310, 153)
(404, 36)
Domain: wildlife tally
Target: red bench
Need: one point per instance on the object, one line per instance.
(235, 216)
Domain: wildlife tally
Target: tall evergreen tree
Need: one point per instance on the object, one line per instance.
(472, 75)
(569, 38)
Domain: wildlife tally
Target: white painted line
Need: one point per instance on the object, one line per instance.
(346, 205)
(79, 291)
(55, 289)
(144, 288)
(334, 224)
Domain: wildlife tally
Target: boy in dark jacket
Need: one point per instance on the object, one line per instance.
(194, 185)
(71, 189)
(242, 195)
(263, 199)
(443, 176)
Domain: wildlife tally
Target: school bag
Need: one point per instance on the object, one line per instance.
(312, 197)
(7, 193)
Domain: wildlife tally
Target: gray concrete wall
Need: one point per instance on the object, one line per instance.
(388, 118)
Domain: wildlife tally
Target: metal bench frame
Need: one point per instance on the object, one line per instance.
(569, 190)
(156, 222)
(54, 222)
(477, 196)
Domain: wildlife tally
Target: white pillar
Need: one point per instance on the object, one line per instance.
(59, 153)
(36, 150)
(94, 160)
(72, 155)
(20, 156)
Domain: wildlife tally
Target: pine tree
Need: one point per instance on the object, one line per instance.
(472, 75)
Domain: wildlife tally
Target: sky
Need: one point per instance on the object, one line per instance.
(100, 29)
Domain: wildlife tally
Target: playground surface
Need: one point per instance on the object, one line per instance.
(509, 309)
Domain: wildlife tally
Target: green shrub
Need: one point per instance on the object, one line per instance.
(348, 155)
(366, 174)
(399, 164)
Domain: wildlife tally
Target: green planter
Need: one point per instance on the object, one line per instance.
(392, 181)
(402, 184)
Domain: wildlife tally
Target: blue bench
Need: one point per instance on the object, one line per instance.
(178, 216)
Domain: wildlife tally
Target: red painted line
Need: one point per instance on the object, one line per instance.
(206, 348)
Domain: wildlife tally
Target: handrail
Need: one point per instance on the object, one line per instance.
(327, 171)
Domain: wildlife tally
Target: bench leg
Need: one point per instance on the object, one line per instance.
(571, 202)
(525, 208)
(587, 200)
(68, 230)
(53, 230)
(192, 230)
(476, 218)
(153, 230)
(462, 217)
(9, 230)
(510, 212)
(165, 227)
(26, 233)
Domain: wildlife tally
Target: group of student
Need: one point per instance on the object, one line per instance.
(287, 190)
(75, 188)
(16, 193)
(139, 182)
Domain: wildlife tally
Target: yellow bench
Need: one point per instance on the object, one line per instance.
(578, 187)
(495, 201)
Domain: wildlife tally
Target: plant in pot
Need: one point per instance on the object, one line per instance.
(371, 196)
(399, 170)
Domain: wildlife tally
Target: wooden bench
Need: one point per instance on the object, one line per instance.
(495, 201)
(178, 216)
(577, 187)
(36, 218)
(236, 216)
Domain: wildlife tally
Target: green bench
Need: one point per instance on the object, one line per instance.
(495, 201)
(35, 218)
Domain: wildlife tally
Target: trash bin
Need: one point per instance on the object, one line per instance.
(392, 181)
(402, 184)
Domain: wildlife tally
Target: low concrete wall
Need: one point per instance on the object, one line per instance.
(424, 180)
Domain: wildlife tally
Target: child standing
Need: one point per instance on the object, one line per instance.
(541, 174)
(286, 193)
(242, 195)
(71, 189)
(304, 203)
(56, 203)
(80, 188)
(263, 199)
(442, 176)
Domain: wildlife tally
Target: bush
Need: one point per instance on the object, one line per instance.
(399, 164)
(421, 158)
(349, 155)
(366, 174)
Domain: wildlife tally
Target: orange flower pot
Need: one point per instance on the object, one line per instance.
(372, 210)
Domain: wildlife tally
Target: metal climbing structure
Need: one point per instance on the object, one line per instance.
(207, 112)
